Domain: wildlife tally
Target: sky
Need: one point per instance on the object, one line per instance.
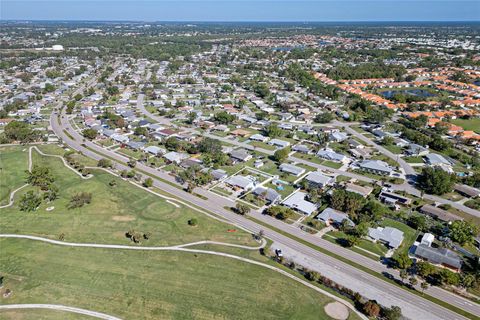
(242, 10)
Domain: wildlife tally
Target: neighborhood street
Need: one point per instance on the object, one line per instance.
(343, 273)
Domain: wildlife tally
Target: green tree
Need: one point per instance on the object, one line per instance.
(80, 199)
(436, 181)
(261, 90)
(89, 133)
(273, 131)
(393, 313)
(324, 117)
(148, 183)
(20, 131)
(30, 201)
(281, 154)
(52, 193)
(413, 281)
(425, 269)
(132, 163)
(242, 209)
(141, 131)
(104, 163)
(224, 117)
(424, 286)
(402, 260)
(448, 277)
(40, 176)
(462, 231)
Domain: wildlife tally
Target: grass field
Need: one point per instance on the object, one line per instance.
(13, 163)
(468, 124)
(39, 314)
(113, 211)
(137, 284)
(152, 285)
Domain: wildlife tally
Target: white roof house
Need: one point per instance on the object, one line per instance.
(176, 157)
(154, 150)
(279, 143)
(240, 182)
(376, 166)
(290, 168)
(390, 236)
(332, 216)
(297, 202)
(318, 179)
(258, 137)
(329, 154)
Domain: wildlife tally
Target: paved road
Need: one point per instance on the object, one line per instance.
(376, 288)
(58, 307)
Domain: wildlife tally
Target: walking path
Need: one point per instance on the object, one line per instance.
(183, 249)
(59, 307)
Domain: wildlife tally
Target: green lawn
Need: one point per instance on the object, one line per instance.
(13, 163)
(152, 285)
(262, 145)
(113, 211)
(468, 124)
(413, 159)
(375, 248)
(39, 314)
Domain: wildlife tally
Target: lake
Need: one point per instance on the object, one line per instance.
(413, 92)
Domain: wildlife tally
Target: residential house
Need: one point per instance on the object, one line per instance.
(468, 191)
(334, 217)
(240, 182)
(258, 137)
(154, 150)
(175, 157)
(415, 150)
(338, 136)
(376, 167)
(434, 159)
(297, 202)
(319, 180)
(291, 169)
(240, 155)
(329, 154)
(301, 148)
(268, 194)
(438, 256)
(438, 213)
(279, 143)
(391, 237)
(364, 191)
(219, 174)
(393, 198)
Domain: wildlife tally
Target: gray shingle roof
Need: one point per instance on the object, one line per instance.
(442, 256)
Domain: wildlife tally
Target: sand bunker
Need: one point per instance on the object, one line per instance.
(337, 310)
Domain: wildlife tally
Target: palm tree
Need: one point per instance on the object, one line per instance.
(413, 281)
(424, 286)
(403, 275)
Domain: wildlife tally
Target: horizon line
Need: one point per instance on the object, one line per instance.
(236, 21)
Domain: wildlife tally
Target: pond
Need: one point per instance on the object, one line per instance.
(412, 92)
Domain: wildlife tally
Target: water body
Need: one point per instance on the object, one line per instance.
(412, 92)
